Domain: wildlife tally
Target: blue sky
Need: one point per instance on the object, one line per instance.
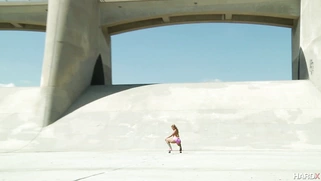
(169, 54)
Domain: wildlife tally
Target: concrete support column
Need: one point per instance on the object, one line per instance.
(296, 51)
(310, 39)
(76, 54)
(105, 49)
(299, 65)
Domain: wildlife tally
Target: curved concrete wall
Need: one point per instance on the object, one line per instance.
(210, 116)
(78, 52)
(21, 116)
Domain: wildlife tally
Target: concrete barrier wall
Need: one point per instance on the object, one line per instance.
(210, 116)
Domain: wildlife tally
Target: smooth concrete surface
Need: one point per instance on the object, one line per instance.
(310, 41)
(105, 52)
(73, 46)
(122, 17)
(229, 131)
(21, 116)
(296, 52)
(190, 165)
(222, 116)
(26, 16)
(68, 129)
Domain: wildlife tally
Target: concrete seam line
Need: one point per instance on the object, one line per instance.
(89, 176)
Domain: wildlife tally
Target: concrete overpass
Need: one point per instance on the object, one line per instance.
(121, 16)
(64, 128)
(80, 33)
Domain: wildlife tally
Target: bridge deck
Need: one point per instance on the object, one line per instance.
(127, 15)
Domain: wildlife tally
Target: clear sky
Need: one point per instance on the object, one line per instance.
(168, 54)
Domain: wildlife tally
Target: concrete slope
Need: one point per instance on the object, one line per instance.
(281, 115)
(21, 112)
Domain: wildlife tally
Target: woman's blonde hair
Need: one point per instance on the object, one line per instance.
(173, 125)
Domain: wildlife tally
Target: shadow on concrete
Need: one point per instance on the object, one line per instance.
(94, 93)
(303, 72)
(98, 73)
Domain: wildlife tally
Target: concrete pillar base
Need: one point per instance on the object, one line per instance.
(77, 54)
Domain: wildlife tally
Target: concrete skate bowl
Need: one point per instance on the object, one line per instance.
(281, 115)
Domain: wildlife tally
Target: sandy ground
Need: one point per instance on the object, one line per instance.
(158, 165)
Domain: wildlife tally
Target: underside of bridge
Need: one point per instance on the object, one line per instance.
(77, 125)
(123, 16)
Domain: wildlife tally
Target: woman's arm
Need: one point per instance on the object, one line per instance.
(174, 133)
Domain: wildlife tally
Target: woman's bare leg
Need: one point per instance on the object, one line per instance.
(169, 145)
(180, 147)
(169, 141)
